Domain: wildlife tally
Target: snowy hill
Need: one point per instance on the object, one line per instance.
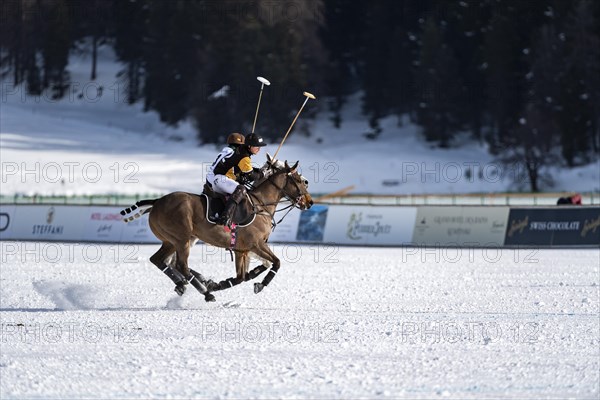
(92, 142)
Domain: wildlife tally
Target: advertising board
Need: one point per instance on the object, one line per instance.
(7, 221)
(468, 226)
(460, 226)
(285, 230)
(557, 226)
(49, 222)
(364, 225)
(137, 231)
(103, 224)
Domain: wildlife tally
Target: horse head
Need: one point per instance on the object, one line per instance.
(295, 186)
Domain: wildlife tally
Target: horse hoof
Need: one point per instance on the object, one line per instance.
(258, 287)
(212, 286)
(180, 289)
(209, 297)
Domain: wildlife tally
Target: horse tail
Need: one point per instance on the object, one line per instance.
(137, 210)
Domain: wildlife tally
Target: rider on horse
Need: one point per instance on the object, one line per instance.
(232, 169)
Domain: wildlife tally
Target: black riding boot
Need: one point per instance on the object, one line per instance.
(227, 214)
(226, 217)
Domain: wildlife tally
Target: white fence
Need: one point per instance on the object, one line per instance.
(481, 199)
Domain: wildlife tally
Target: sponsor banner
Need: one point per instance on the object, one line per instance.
(7, 221)
(364, 225)
(311, 227)
(137, 231)
(103, 224)
(460, 226)
(554, 226)
(285, 231)
(49, 222)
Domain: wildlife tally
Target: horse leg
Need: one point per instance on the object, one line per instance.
(162, 259)
(256, 271)
(241, 265)
(183, 252)
(201, 284)
(230, 282)
(242, 262)
(263, 251)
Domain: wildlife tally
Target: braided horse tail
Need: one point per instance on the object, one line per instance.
(137, 210)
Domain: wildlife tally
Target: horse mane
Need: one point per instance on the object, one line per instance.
(276, 166)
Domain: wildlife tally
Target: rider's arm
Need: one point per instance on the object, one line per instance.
(247, 173)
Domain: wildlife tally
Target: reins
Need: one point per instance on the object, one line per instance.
(264, 205)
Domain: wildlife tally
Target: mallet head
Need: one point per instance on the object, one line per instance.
(263, 80)
(309, 95)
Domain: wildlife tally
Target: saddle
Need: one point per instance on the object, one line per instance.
(215, 204)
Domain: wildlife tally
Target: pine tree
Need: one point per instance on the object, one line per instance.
(170, 63)
(259, 39)
(580, 86)
(56, 46)
(93, 21)
(376, 103)
(439, 86)
(130, 44)
(341, 35)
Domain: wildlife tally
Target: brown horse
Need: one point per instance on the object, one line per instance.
(179, 220)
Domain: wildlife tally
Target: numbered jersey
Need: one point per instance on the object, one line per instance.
(230, 163)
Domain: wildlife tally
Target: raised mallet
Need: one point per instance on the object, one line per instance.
(263, 82)
(308, 96)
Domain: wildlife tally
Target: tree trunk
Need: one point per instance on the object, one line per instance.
(532, 171)
(94, 57)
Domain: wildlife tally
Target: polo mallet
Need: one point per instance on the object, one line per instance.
(263, 82)
(308, 96)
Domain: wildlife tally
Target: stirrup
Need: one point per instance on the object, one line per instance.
(223, 221)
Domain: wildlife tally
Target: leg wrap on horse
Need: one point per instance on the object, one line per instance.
(198, 276)
(229, 283)
(255, 272)
(198, 281)
(175, 276)
(195, 281)
(270, 276)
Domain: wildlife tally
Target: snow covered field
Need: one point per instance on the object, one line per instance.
(99, 321)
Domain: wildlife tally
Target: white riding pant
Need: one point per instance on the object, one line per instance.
(223, 184)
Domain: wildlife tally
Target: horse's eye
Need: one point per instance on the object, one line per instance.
(306, 182)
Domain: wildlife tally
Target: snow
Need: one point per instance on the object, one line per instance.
(100, 321)
(93, 142)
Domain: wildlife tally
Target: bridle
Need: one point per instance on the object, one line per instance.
(295, 202)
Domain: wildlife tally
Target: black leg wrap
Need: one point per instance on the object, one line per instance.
(255, 272)
(270, 276)
(258, 287)
(212, 286)
(175, 276)
(180, 288)
(197, 284)
(198, 276)
(228, 283)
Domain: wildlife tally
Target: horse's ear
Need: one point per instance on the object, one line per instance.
(269, 159)
(287, 167)
(292, 169)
